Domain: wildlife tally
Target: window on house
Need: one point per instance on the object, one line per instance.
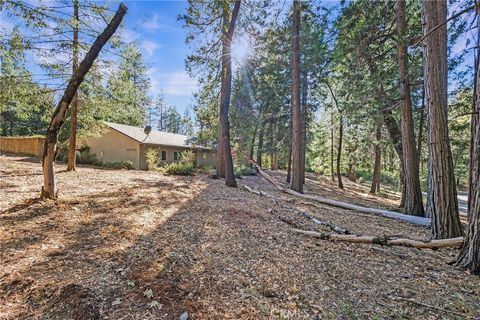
(175, 155)
(164, 155)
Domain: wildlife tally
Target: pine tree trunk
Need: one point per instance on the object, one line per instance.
(339, 153)
(442, 202)
(413, 194)
(396, 139)
(289, 165)
(252, 146)
(304, 112)
(331, 152)
(226, 93)
(297, 143)
(377, 166)
(469, 257)
(48, 189)
(272, 149)
(72, 150)
(260, 144)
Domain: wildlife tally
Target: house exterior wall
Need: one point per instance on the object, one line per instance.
(114, 146)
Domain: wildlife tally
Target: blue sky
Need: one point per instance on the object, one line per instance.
(162, 40)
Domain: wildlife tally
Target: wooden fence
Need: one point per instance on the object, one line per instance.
(32, 146)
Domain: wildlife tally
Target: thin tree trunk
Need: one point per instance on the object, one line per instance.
(352, 173)
(226, 92)
(72, 152)
(442, 202)
(48, 189)
(377, 166)
(469, 257)
(252, 146)
(304, 111)
(413, 194)
(272, 149)
(289, 165)
(396, 139)
(260, 144)
(331, 152)
(339, 153)
(297, 143)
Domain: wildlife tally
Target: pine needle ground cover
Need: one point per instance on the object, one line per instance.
(124, 244)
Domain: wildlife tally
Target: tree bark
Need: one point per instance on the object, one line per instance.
(331, 152)
(304, 112)
(339, 153)
(225, 94)
(384, 240)
(297, 141)
(289, 165)
(252, 146)
(442, 202)
(413, 194)
(260, 144)
(72, 150)
(469, 257)
(396, 139)
(48, 189)
(272, 148)
(378, 154)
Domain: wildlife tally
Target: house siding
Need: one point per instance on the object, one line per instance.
(114, 146)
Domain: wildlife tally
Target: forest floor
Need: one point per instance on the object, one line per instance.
(141, 245)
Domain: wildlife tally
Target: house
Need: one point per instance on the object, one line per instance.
(121, 142)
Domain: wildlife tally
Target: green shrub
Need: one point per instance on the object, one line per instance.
(240, 171)
(124, 164)
(152, 158)
(187, 157)
(179, 168)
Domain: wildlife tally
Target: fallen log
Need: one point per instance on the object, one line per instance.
(384, 240)
(380, 212)
(335, 228)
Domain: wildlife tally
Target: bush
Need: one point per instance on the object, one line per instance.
(179, 168)
(124, 164)
(240, 171)
(187, 157)
(152, 158)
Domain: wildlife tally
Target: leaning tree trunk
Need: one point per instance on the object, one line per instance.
(469, 257)
(442, 202)
(48, 189)
(413, 194)
(297, 141)
(339, 153)
(72, 150)
(226, 89)
(378, 154)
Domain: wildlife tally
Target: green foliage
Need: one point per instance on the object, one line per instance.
(242, 171)
(179, 168)
(124, 164)
(152, 158)
(187, 157)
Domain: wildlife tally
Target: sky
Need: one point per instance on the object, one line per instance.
(161, 38)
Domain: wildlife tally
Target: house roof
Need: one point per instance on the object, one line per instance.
(155, 137)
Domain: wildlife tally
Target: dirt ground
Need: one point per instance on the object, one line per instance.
(140, 245)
